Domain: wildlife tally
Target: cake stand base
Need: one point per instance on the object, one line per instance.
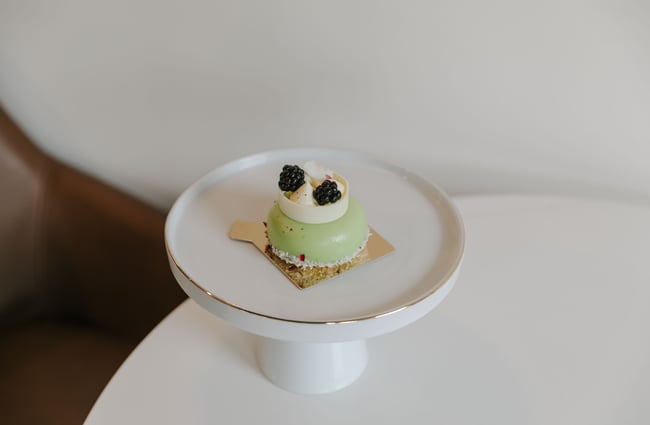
(311, 367)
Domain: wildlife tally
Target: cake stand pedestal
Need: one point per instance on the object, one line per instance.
(312, 367)
(313, 341)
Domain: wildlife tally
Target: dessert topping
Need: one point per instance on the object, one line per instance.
(317, 172)
(291, 178)
(312, 194)
(304, 194)
(327, 192)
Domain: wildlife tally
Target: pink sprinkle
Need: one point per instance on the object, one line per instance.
(328, 177)
(302, 257)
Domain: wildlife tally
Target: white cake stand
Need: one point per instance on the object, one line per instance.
(313, 340)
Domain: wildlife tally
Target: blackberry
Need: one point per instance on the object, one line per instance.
(291, 178)
(327, 192)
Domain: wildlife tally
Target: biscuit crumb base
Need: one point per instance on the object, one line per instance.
(304, 277)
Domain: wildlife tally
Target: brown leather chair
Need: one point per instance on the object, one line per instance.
(83, 278)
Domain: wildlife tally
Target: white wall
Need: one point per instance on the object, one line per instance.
(480, 96)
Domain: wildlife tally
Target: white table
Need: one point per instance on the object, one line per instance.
(548, 323)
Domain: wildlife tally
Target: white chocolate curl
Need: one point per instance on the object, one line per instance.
(317, 172)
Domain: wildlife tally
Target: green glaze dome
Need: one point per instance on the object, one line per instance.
(321, 244)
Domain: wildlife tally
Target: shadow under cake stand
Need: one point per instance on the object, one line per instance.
(314, 340)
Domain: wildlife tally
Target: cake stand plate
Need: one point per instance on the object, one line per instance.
(313, 340)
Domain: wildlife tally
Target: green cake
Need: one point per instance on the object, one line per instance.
(315, 229)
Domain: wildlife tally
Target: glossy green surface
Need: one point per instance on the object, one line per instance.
(322, 243)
